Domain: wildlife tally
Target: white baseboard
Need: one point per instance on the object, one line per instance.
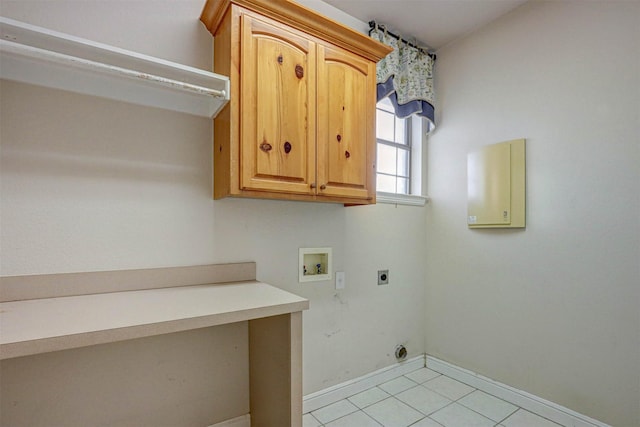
(530, 402)
(330, 395)
(241, 421)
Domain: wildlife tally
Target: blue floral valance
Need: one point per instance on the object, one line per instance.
(405, 76)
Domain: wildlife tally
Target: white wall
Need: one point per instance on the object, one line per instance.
(91, 184)
(552, 309)
(172, 380)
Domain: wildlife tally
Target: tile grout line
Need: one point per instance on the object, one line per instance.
(371, 404)
(526, 401)
(425, 416)
(471, 409)
(451, 401)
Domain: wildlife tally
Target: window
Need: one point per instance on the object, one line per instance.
(399, 160)
(394, 150)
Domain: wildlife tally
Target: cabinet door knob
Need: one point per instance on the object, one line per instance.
(347, 154)
(299, 71)
(313, 185)
(323, 187)
(339, 137)
(265, 146)
(287, 147)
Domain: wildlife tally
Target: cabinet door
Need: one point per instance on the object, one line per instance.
(346, 124)
(277, 131)
(489, 185)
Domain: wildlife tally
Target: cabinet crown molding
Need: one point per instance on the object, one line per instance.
(302, 18)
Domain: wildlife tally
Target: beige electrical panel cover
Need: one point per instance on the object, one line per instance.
(496, 186)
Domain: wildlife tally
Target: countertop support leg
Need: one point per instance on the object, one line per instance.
(275, 370)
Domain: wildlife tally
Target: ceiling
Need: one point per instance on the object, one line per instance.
(433, 23)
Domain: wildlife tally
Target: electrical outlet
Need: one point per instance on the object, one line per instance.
(383, 277)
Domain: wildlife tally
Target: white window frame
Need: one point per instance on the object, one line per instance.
(415, 198)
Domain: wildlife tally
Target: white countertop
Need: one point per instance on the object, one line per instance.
(50, 324)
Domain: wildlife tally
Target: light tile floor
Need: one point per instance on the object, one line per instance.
(423, 398)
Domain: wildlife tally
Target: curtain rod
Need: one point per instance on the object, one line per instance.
(373, 24)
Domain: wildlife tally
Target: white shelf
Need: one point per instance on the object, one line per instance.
(39, 56)
(50, 324)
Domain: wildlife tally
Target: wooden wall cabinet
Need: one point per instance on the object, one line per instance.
(301, 121)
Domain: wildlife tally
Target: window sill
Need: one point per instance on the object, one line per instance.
(401, 199)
